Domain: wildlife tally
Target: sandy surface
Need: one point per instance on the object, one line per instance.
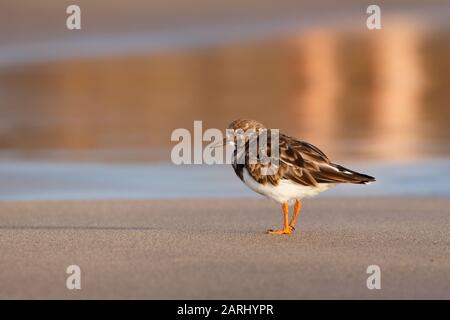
(218, 249)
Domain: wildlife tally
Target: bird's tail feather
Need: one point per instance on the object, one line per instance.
(353, 176)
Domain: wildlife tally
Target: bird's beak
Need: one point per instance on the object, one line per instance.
(219, 143)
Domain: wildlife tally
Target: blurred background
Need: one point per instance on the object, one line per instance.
(89, 113)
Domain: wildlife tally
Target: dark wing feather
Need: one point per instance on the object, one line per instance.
(305, 164)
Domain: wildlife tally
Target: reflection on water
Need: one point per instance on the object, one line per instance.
(381, 95)
(399, 79)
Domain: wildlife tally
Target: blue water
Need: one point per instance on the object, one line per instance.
(33, 180)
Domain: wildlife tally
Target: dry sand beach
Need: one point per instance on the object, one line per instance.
(190, 249)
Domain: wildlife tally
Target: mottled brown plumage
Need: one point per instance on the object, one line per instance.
(300, 162)
(303, 170)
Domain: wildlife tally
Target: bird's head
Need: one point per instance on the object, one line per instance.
(238, 129)
(245, 124)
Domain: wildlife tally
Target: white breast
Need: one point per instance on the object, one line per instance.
(285, 191)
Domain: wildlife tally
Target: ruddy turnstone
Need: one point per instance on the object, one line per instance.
(303, 171)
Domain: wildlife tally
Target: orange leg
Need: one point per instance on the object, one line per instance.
(286, 229)
(297, 207)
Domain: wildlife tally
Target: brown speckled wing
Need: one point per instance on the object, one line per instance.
(304, 164)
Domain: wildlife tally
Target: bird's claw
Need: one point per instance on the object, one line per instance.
(284, 231)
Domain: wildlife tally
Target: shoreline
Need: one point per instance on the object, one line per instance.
(35, 180)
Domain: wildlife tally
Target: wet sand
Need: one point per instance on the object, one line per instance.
(217, 249)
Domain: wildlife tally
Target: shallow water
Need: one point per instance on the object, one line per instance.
(56, 181)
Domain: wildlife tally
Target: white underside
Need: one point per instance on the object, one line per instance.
(285, 191)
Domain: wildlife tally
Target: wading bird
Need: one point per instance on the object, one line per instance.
(302, 171)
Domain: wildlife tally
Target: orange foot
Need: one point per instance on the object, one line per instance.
(288, 230)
